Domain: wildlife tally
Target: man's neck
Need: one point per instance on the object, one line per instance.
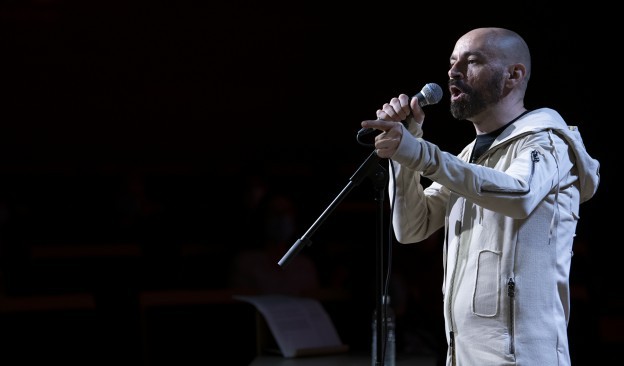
(495, 118)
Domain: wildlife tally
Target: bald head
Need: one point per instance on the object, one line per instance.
(488, 76)
(503, 44)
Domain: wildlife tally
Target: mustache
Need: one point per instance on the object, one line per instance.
(459, 84)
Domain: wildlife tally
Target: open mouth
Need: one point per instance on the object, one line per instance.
(456, 92)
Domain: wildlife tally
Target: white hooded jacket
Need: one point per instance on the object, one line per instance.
(510, 221)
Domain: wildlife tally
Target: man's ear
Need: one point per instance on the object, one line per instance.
(517, 72)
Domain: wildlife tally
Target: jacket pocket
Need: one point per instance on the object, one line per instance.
(487, 284)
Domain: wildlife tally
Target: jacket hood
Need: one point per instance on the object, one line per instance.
(549, 119)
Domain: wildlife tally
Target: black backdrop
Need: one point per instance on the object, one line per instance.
(198, 96)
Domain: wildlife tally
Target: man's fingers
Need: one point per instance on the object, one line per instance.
(378, 124)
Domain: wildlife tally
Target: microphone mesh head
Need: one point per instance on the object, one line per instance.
(432, 93)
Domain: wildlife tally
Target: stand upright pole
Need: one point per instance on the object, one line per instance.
(378, 174)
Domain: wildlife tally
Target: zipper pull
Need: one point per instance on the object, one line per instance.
(511, 287)
(535, 156)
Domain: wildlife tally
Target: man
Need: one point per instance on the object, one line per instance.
(509, 205)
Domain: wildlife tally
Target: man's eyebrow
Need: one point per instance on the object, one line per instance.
(478, 54)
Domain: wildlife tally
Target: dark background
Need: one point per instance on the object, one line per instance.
(190, 100)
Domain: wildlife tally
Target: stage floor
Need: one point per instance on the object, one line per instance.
(346, 359)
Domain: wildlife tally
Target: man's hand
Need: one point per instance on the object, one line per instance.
(387, 142)
(396, 110)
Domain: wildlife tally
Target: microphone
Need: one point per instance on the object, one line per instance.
(431, 93)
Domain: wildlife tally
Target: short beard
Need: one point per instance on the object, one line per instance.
(476, 101)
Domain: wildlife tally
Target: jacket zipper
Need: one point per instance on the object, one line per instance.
(535, 158)
(452, 345)
(450, 311)
(511, 292)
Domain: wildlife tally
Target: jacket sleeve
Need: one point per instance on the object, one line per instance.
(417, 212)
(533, 167)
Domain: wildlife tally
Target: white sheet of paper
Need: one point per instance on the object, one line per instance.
(297, 323)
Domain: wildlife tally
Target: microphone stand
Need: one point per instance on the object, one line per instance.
(369, 169)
